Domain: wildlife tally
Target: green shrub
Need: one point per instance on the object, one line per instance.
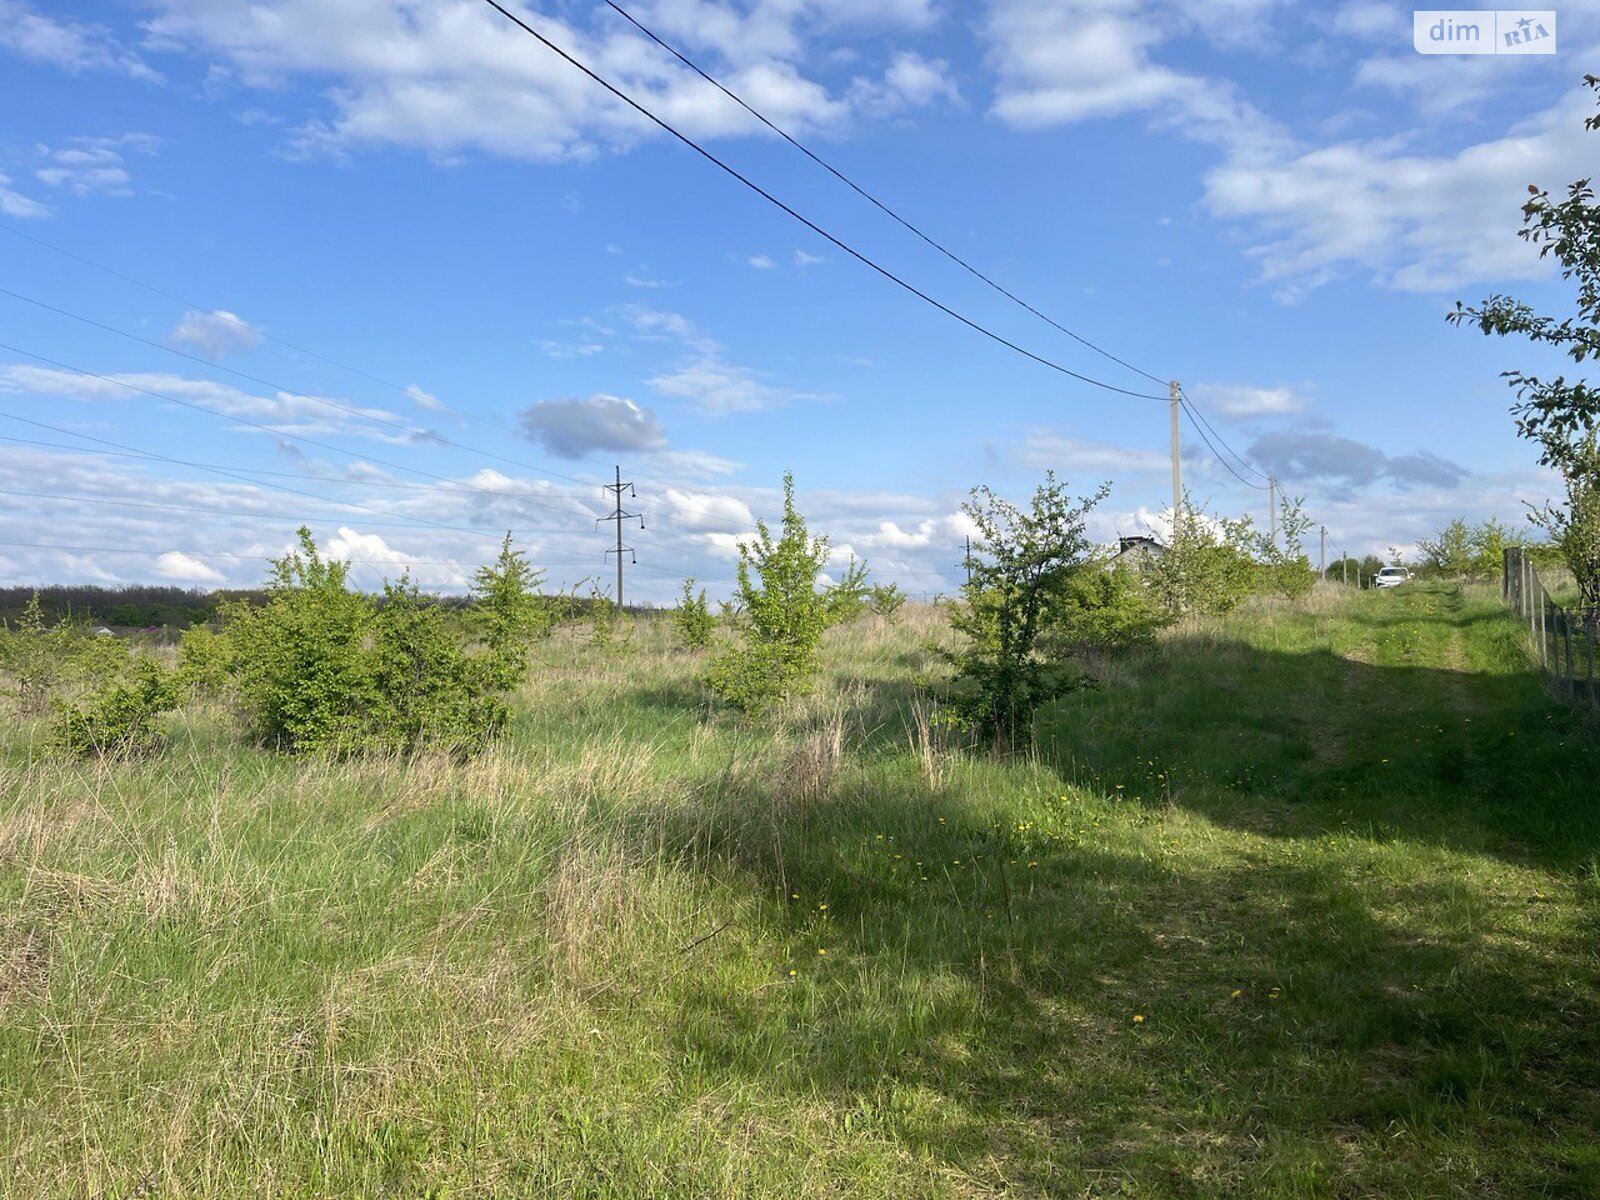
(1029, 560)
(204, 661)
(1206, 567)
(780, 615)
(1105, 606)
(846, 600)
(304, 679)
(510, 614)
(95, 660)
(118, 718)
(421, 688)
(886, 600)
(692, 617)
(35, 655)
(321, 668)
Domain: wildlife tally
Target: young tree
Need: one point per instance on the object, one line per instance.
(847, 599)
(1027, 563)
(510, 613)
(422, 688)
(780, 613)
(1287, 567)
(886, 600)
(1449, 551)
(1561, 415)
(35, 655)
(692, 618)
(1206, 566)
(304, 676)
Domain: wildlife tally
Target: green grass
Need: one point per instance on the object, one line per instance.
(1301, 903)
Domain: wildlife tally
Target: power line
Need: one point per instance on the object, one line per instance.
(682, 542)
(280, 433)
(245, 326)
(1230, 468)
(410, 431)
(133, 451)
(1241, 459)
(866, 195)
(806, 221)
(206, 510)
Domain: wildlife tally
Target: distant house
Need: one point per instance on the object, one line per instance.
(102, 631)
(1136, 551)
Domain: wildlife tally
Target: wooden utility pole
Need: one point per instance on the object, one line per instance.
(619, 517)
(1344, 567)
(1174, 394)
(1272, 507)
(967, 560)
(1322, 560)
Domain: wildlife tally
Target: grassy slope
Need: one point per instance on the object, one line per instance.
(1301, 904)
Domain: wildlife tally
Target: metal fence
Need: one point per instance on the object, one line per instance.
(1566, 640)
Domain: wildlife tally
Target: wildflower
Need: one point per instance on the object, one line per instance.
(793, 972)
(822, 908)
(794, 895)
(1237, 992)
(821, 951)
(1138, 1018)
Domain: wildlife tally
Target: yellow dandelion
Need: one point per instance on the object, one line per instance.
(820, 950)
(794, 972)
(1138, 1018)
(1237, 992)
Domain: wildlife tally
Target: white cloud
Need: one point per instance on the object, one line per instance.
(453, 78)
(1048, 451)
(215, 334)
(424, 399)
(571, 349)
(1410, 221)
(571, 427)
(802, 259)
(705, 376)
(706, 510)
(89, 166)
(1237, 400)
(286, 412)
(15, 204)
(69, 45)
(186, 568)
(909, 81)
(761, 262)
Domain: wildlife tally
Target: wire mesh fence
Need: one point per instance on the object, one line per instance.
(1566, 639)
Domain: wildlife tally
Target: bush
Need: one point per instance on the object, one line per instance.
(35, 655)
(300, 659)
(421, 688)
(319, 667)
(847, 599)
(692, 618)
(1106, 606)
(780, 615)
(886, 601)
(1207, 566)
(510, 614)
(117, 718)
(1028, 562)
(204, 661)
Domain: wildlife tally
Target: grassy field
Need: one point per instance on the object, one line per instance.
(1301, 903)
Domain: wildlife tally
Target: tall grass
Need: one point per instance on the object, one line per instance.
(1303, 902)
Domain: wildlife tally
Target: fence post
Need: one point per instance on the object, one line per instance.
(1566, 637)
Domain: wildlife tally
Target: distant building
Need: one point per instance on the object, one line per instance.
(1136, 551)
(102, 631)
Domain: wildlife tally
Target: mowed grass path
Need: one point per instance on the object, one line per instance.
(1300, 903)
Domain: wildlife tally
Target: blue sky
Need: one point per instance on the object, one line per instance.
(1274, 203)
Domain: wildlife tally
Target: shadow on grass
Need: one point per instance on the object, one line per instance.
(1064, 1001)
(1046, 1005)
